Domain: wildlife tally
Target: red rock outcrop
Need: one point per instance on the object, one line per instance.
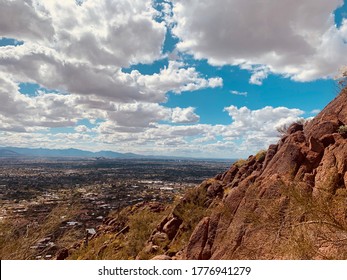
(290, 203)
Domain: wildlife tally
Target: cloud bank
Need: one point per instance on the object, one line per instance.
(79, 55)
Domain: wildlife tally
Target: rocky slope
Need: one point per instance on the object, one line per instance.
(289, 202)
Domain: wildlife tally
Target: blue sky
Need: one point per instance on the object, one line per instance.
(189, 78)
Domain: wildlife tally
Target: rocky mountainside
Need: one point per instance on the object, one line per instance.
(289, 202)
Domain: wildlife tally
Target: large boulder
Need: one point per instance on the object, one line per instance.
(171, 227)
(198, 240)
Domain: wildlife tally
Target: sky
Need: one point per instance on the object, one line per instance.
(192, 78)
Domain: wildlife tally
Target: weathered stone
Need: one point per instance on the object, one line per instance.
(309, 179)
(315, 145)
(155, 207)
(150, 248)
(250, 161)
(160, 238)
(215, 189)
(327, 140)
(303, 169)
(271, 151)
(233, 198)
(219, 176)
(294, 128)
(286, 161)
(62, 254)
(264, 202)
(313, 158)
(320, 129)
(326, 179)
(171, 227)
(211, 234)
(162, 223)
(230, 174)
(198, 240)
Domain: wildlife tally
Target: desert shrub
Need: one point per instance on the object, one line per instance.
(260, 156)
(292, 224)
(314, 223)
(191, 214)
(141, 226)
(193, 207)
(190, 210)
(341, 78)
(283, 129)
(342, 129)
(241, 162)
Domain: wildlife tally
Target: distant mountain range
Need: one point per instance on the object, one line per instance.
(14, 152)
(40, 152)
(8, 153)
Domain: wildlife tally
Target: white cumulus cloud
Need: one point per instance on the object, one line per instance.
(298, 39)
(78, 50)
(185, 115)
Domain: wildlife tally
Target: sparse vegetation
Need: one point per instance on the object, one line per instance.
(191, 214)
(260, 156)
(21, 240)
(298, 226)
(283, 129)
(191, 210)
(241, 162)
(322, 230)
(84, 192)
(341, 78)
(342, 129)
(127, 245)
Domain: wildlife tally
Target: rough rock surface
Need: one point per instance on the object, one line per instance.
(198, 240)
(171, 227)
(62, 254)
(289, 204)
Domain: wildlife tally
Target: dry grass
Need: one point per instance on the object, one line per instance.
(260, 156)
(241, 162)
(292, 225)
(19, 238)
(125, 246)
(310, 228)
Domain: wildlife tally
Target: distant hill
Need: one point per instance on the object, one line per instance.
(40, 152)
(8, 153)
(76, 153)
